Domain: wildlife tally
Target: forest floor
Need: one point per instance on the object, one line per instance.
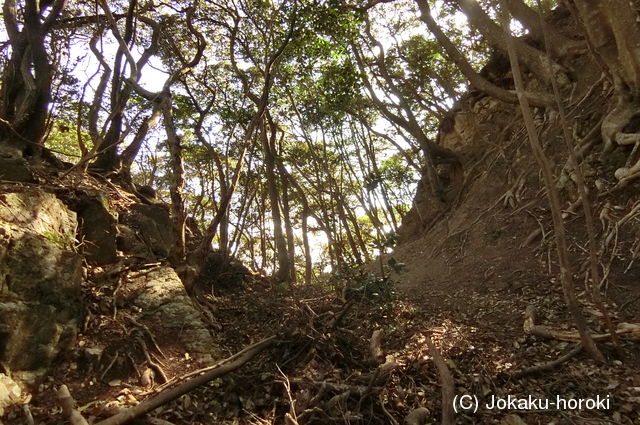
(321, 370)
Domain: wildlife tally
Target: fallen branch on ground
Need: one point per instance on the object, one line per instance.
(623, 330)
(376, 352)
(543, 367)
(447, 383)
(171, 394)
(68, 407)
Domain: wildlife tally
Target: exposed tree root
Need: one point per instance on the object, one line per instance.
(289, 417)
(573, 207)
(614, 123)
(153, 365)
(149, 334)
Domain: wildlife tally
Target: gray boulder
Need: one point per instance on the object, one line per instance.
(166, 307)
(154, 227)
(40, 277)
(15, 169)
(98, 229)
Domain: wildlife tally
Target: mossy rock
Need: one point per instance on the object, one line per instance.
(154, 226)
(97, 229)
(15, 169)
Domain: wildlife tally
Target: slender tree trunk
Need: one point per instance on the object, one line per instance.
(285, 205)
(108, 159)
(94, 109)
(370, 151)
(308, 262)
(358, 234)
(347, 231)
(177, 178)
(284, 266)
(263, 234)
(131, 151)
(286, 214)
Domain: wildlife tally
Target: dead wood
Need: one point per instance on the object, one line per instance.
(357, 390)
(376, 352)
(229, 365)
(623, 330)
(335, 320)
(628, 303)
(68, 407)
(392, 420)
(447, 383)
(290, 417)
(543, 367)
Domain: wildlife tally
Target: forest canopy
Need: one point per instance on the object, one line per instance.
(289, 134)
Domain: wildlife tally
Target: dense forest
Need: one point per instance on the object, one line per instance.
(379, 206)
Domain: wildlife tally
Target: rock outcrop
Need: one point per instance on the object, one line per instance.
(84, 280)
(97, 229)
(40, 278)
(149, 225)
(165, 307)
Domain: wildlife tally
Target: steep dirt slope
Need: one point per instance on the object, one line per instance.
(478, 261)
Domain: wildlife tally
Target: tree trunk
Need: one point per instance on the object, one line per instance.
(108, 159)
(286, 212)
(558, 44)
(308, 263)
(613, 32)
(263, 234)
(26, 80)
(131, 151)
(284, 266)
(475, 79)
(566, 276)
(347, 231)
(535, 60)
(370, 151)
(177, 178)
